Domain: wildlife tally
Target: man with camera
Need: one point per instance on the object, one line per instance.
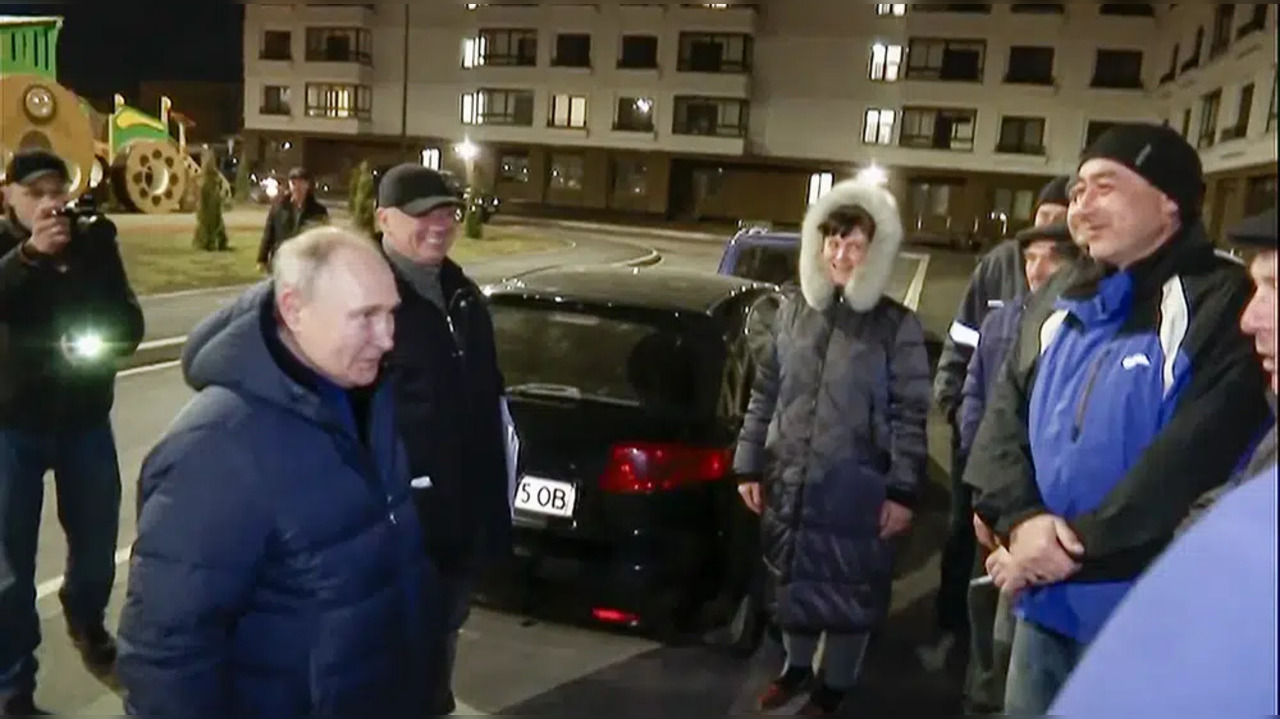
(67, 314)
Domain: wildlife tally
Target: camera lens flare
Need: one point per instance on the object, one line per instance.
(88, 345)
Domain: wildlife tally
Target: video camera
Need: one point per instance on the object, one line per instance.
(83, 215)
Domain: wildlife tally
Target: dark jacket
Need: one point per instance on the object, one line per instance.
(449, 389)
(285, 220)
(278, 569)
(998, 278)
(835, 426)
(1128, 395)
(40, 304)
(999, 331)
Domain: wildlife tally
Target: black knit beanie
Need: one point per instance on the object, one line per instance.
(1161, 156)
(1054, 192)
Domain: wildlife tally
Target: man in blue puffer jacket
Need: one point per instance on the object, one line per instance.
(1129, 393)
(278, 569)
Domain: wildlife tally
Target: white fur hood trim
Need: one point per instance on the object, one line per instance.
(870, 280)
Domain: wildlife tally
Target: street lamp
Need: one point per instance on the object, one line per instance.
(873, 174)
(468, 151)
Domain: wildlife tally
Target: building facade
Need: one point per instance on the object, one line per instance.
(749, 111)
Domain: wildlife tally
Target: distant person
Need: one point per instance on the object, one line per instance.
(832, 451)
(451, 403)
(1209, 604)
(1130, 393)
(278, 569)
(1045, 250)
(998, 278)
(296, 210)
(67, 315)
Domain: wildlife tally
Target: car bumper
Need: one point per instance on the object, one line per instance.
(639, 581)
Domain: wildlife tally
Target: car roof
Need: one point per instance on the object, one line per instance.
(658, 288)
(748, 237)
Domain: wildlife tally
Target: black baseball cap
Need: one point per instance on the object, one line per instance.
(34, 163)
(415, 190)
(300, 173)
(1057, 233)
(1257, 231)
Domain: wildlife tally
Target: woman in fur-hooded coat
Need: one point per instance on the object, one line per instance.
(834, 437)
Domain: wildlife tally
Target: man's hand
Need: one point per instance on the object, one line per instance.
(49, 233)
(1046, 548)
(752, 496)
(1006, 573)
(986, 537)
(894, 519)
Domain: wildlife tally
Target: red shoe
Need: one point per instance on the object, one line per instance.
(783, 690)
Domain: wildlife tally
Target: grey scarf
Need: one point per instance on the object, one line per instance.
(424, 279)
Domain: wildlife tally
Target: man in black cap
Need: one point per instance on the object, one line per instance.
(1259, 319)
(1045, 251)
(1129, 393)
(998, 278)
(450, 399)
(67, 314)
(293, 212)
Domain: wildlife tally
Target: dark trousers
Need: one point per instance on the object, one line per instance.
(87, 481)
(454, 601)
(959, 549)
(991, 627)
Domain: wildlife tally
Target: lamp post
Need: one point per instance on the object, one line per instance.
(468, 151)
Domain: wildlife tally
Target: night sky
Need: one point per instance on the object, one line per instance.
(109, 47)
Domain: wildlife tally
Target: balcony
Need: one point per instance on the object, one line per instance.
(1239, 131)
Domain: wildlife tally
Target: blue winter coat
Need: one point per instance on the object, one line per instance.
(1129, 394)
(278, 569)
(1197, 635)
(998, 333)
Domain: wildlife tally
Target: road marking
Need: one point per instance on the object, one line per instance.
(194, 292)
(53, 585)
(912, 300)
(149, 368)
(162, 343)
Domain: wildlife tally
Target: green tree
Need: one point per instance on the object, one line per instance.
(211, 229)
(472, 221)
(361, 200)
(241, 190)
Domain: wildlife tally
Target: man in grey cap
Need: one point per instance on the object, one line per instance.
(67, 314)
(450, 400)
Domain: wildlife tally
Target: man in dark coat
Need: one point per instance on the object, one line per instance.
(278, 569)
(67, 314)
(998, 278)
(1045, 250)
(451, 400)
(832, 450)
(296, 210)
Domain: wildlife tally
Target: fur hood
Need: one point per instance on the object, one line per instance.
(871, 278)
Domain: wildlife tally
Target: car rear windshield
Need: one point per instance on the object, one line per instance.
(658, 364)
(776, 264)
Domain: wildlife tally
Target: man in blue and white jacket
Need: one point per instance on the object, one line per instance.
(1129, 393)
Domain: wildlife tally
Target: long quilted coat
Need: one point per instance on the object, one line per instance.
(836, 425)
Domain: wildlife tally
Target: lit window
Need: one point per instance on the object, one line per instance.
(886, 62)
(877, 126)
(819, 184)
(431, 158)
(473, 52)
(894, 9)
(568, 111)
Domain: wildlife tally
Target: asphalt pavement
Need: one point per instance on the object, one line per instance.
(510, 664)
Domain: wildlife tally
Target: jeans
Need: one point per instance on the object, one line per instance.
(455, 602)
(958, 550)
(87, 481)
(1039, 666)
(991, 622)
(842, 656)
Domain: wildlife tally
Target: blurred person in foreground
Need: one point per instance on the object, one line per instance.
(450, 402)
(278, 568)
(832, 450)
(67, 315)
(1208, 605)
(998, 279)
(1129, 393)
(1045, 250)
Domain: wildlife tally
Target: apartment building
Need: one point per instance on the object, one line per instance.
(729, 111)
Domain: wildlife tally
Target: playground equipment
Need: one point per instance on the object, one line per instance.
(146, 168)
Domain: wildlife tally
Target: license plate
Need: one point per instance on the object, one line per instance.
(546, 496)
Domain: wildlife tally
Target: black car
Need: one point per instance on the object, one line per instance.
(628, 388)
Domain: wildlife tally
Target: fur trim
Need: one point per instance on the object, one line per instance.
(871, 278)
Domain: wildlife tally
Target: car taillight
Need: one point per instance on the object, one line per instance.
(642, 467)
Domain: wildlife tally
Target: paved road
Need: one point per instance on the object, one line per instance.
(507, 665)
